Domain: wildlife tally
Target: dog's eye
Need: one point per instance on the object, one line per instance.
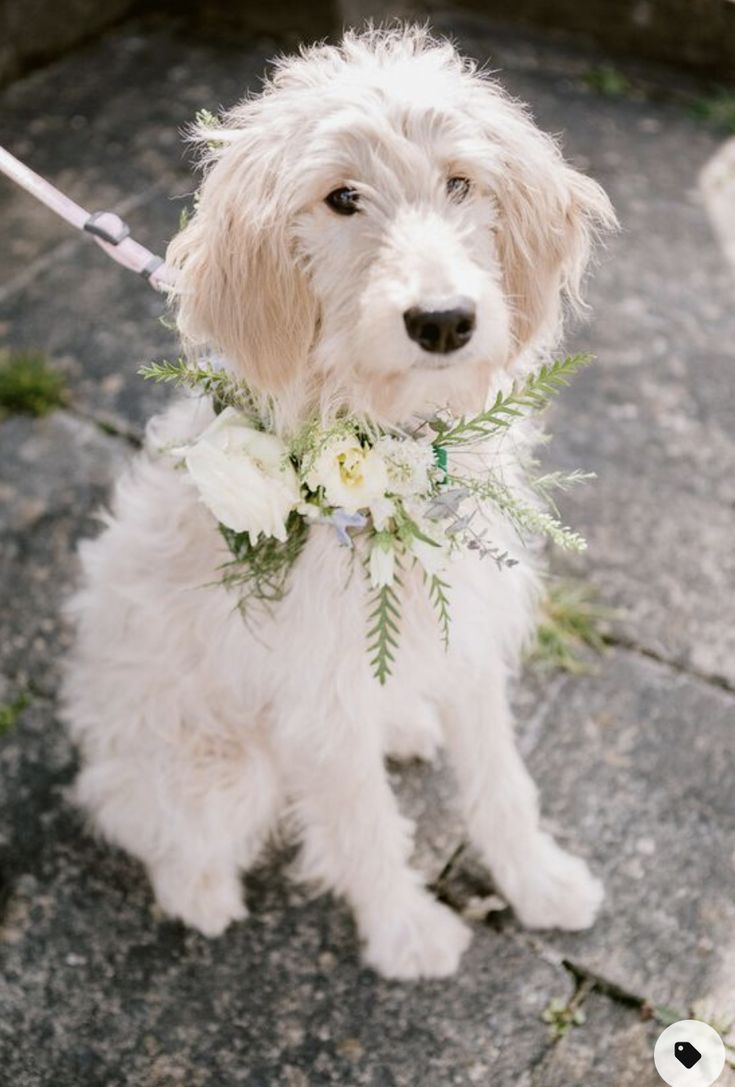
(458, 188)
(344, 201)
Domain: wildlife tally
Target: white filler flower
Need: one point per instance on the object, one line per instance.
(244, 476)
(408, 463)
(352, 477)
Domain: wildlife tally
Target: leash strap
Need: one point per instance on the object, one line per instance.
(107, 229)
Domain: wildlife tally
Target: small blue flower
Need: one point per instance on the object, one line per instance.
(341, 520)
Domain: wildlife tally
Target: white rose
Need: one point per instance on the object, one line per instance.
(352, 477)
(244, 476)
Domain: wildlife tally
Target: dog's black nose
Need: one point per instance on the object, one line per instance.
(441, 331)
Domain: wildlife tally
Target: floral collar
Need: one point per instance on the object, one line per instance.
(395, 498)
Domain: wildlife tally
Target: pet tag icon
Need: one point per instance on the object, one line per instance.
(689, 1054)
(686, 1054)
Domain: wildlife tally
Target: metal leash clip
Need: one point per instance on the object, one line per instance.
(108, 226)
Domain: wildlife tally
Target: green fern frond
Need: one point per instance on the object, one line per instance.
(210, 381)
(527, 399)
(540, 387)
(438, 596)
(384, 633)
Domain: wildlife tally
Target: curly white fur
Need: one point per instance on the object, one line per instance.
(199, 732)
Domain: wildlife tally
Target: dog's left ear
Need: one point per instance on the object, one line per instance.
(548, 218)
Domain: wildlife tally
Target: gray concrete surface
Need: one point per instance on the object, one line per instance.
(636, 761)
(37, 31)
(696, 32)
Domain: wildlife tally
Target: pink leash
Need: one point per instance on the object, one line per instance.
(106, 227)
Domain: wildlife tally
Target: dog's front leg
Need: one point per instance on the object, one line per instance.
(547, 887)
(356, 842)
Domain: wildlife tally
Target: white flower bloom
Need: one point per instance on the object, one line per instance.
(381, 511)
(244, 476)
(382, 563)
(409, 464)
(433, 559)
(352, 477)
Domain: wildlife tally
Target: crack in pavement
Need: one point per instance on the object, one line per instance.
(109, 425)
(713, 679)
(457, 886)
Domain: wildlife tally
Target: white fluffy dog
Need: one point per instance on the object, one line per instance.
(383, 229)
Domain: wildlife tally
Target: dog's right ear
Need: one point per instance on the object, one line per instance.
(239, 287)
(548, 214)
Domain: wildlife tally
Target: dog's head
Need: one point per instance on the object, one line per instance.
(382, 226)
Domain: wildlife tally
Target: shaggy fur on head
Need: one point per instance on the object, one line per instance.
(199, 733)
(300, 299)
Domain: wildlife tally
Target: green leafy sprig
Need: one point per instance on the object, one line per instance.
(225, 389)
(526, 519)
(527, 399)
(260, 572)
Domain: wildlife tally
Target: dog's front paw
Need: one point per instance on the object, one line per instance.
(209, 903)
(413, 734)
(557, 890)
(408, 746)
(424, 939)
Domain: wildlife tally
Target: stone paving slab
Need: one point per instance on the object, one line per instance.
(613, 1048)
(637, 768)
(56, 471)
(51, 466)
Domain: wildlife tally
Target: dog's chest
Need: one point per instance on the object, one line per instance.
(327, 614)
